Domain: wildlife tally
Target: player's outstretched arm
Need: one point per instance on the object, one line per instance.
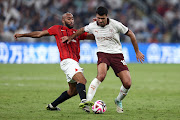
(90, 36)
(68, 39)
(35, 34)
(139, 55)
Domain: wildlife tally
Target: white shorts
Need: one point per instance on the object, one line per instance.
(70, 68)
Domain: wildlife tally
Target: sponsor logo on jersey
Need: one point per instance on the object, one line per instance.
(105, 38)
(63, 30)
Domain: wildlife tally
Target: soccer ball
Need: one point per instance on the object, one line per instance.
(99, 107)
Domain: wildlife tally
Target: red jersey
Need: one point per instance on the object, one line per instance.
(70, 50)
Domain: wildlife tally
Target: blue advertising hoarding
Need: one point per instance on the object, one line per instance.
(48, 53)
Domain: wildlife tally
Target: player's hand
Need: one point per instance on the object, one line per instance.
(17, 36)
(140, 57)
(66, 39)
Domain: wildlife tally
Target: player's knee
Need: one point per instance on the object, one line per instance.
(101, 77)
(127, 84)
(83, 81)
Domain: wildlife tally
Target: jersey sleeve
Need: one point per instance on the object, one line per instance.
(88, 28)
(83, 36)
(53, 30)
(121, 28)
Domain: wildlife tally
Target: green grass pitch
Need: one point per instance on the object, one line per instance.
(25, 90)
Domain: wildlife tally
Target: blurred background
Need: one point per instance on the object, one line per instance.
(154, 22)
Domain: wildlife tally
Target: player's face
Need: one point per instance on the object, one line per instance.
(101, 20)
(69, 21)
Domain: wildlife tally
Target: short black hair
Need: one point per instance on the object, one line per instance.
(102, 11)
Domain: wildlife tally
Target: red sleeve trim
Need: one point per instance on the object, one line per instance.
(83, 36)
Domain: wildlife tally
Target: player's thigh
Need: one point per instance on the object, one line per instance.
(125, 78)
(79, 78)
(102, 68)
(102, 71)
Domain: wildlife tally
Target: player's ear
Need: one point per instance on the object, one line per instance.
(62, 21)
(107, 17)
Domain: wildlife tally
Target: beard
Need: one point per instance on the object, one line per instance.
(70, 27)
(99, 24)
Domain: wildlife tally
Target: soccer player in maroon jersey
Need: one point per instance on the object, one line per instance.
(69, 55)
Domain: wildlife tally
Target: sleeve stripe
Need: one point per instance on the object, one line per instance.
(127, 32)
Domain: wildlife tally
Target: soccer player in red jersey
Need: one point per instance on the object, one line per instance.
(69, 55)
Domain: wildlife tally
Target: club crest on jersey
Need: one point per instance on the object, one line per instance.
(123, 62)
(111, 31)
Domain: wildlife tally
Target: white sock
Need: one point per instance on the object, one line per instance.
(92, 89)
(50, 105)
(123, 92)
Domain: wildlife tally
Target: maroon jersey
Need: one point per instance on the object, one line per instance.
(70, 50)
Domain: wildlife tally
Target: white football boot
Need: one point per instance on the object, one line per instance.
(119, 108)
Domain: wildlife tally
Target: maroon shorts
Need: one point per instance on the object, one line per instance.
(116, 61)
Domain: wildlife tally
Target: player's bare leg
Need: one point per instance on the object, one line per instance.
(102, 71)
(126, 81)
(63, 97)
(125, 78)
